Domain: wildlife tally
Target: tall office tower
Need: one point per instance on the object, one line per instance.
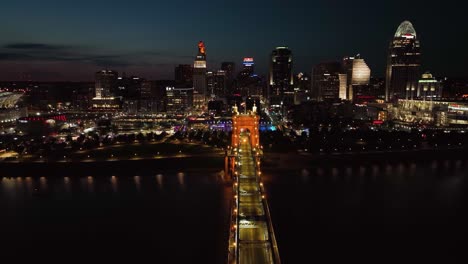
(245, 76)
(216, 82)
(184, 74)
(403, 63)
(358, 74)
(229, 68)
(281, 76)
(105, 83)
(247, 68)
(326, 81)
(199, 72)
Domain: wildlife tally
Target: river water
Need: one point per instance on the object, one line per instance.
(361, 212)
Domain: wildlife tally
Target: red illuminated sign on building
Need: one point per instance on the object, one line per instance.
(377, 122)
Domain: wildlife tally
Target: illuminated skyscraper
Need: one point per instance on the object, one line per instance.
(199, 71)
(281, 76)
(105, 83)
(248, 68)
(403, 63)
(358, 74)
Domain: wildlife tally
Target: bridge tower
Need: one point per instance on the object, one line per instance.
(248, 122)
(251, 238)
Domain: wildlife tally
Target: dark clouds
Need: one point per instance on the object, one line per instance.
(41, 61)
(59, 53)
(33, 46)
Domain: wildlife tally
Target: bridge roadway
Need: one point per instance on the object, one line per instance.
(254, 237)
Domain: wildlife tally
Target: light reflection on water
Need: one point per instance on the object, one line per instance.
(159, 179)
(114, 184)
(67, 184)
(90, 184)
(74, 210)
(181, 179)
(42, 183)
(305, 175)
(16, 186)
(137, 181)
(29, 185)
(337, 195)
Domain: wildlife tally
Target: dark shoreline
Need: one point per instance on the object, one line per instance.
(143, 166)
(271, 161)
(285, 161)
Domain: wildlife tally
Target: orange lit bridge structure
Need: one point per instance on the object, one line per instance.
(252, 239)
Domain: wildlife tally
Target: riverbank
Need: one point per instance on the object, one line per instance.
(137, 166)
(304, 160)
(208, 163)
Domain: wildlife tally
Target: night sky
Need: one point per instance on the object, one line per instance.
(52, 40)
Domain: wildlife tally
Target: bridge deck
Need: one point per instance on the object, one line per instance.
(254, 242)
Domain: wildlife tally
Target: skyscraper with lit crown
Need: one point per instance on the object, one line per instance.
(199, 72)
(403, 63)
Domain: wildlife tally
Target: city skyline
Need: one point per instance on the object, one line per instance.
(59, 42)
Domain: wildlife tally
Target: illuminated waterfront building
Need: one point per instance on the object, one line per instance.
(403, 63)
(429, 87)
(10, 111)
(432, 113)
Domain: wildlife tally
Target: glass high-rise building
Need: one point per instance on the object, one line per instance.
(281, 75)
(403, 63)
